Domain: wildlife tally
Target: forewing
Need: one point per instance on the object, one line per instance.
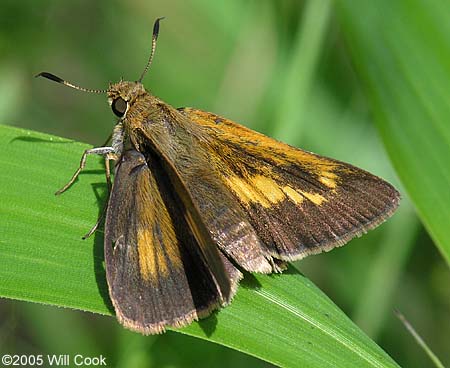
(298, 202)
(157, 272)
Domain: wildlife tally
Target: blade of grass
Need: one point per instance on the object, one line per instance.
(283, 319)
(436, 361)
(401, 51)
(299, 71)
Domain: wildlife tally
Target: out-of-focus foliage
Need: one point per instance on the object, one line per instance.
(285, 68)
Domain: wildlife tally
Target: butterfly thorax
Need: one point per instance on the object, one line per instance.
(144, 119)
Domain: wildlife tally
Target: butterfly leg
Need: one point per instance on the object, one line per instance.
(112, 152)
(99, 220)
(104, 151)
(108, 157)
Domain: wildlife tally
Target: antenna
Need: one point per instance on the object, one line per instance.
(68, 84)
(154, 38)
(149, 63)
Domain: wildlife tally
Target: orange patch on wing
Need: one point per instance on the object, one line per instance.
(156, 239)
(293, 195)
(151, 262)
(258, 189)
(315, 198)
(259, 145)
(245, 192)
(328, 179)
(269, 188)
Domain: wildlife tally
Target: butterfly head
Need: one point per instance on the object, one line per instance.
(123, 94)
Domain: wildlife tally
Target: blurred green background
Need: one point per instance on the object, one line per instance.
(284, 68)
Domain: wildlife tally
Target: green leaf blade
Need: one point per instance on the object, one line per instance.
(283, 319)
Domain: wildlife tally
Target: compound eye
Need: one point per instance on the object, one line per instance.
(119, 106)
